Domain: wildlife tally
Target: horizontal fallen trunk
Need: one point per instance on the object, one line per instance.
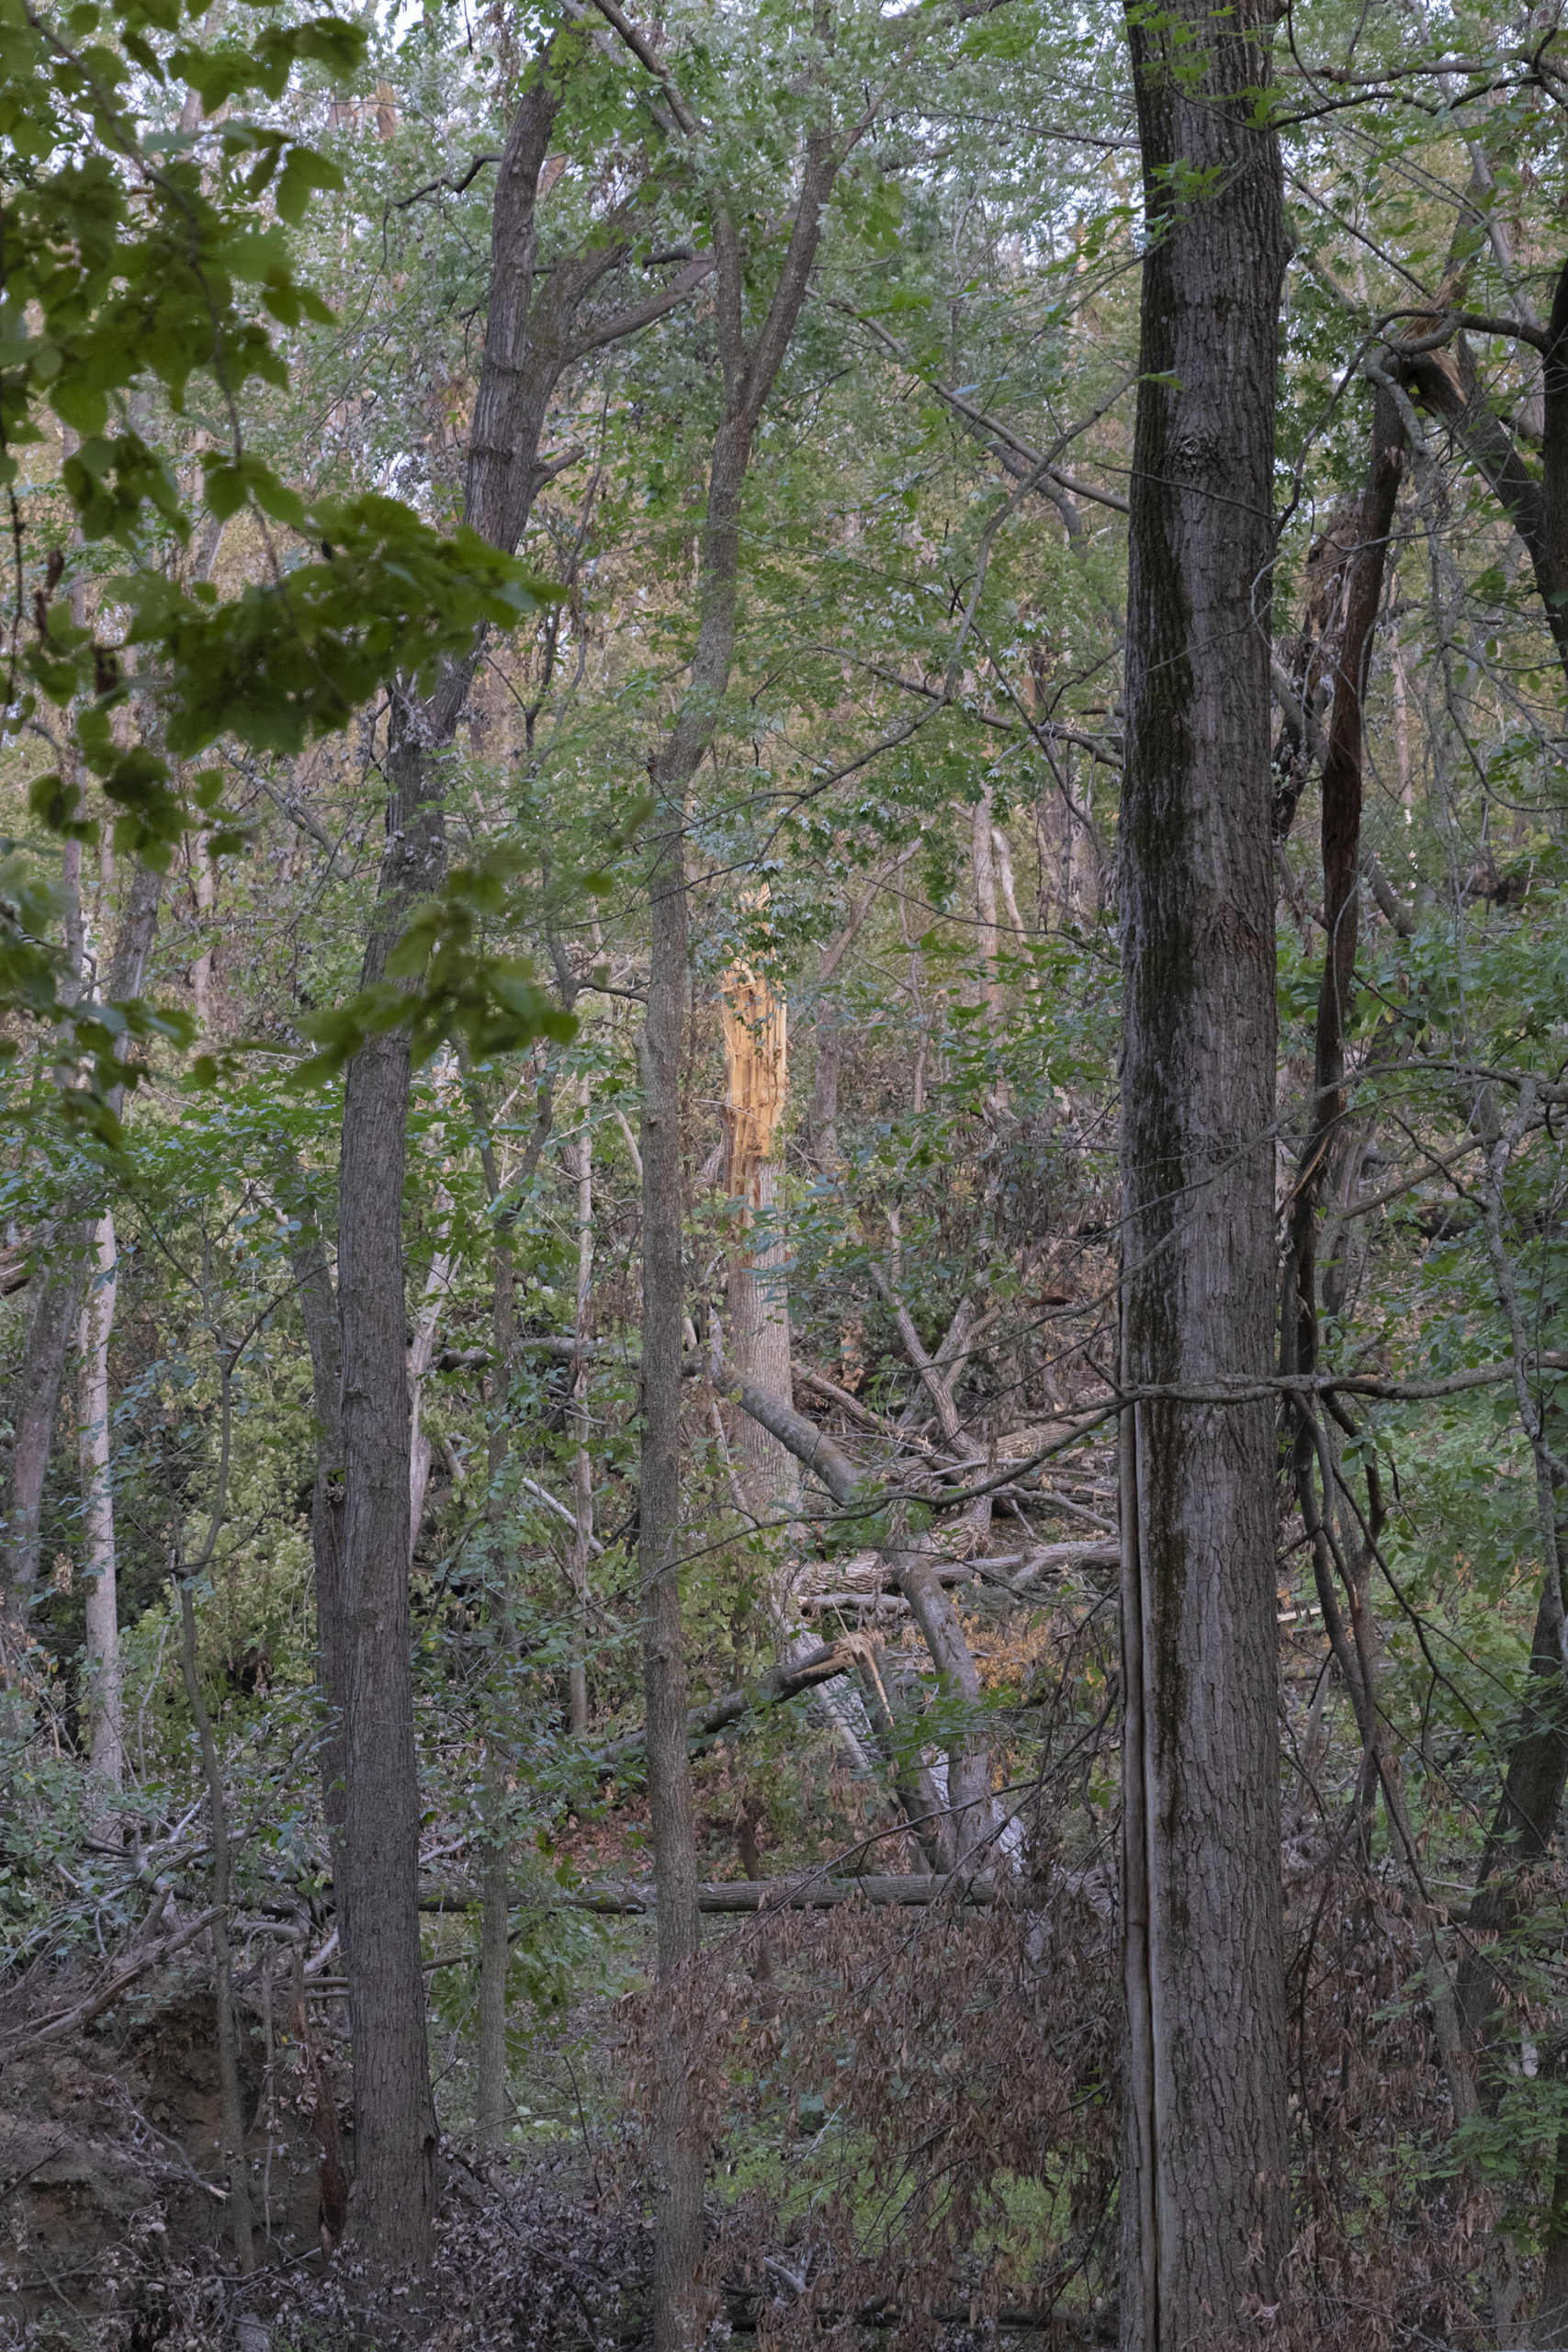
(802, 1891)
(71, 2020)
(785, 1681)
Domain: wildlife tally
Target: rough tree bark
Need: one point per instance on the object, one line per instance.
(1204, 2184)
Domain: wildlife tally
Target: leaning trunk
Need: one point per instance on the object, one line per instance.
(1203, 2191)
(1351, 603)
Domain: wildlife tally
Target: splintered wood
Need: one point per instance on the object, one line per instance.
(755, 1078)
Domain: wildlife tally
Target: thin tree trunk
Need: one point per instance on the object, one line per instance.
(749, 376)
(759, 1343)
(1551, 2311)
(677, 2156)
(825, 1088)
(234, 2113)
(55, 1319)
(528, 344)
(422, 1354)
(983, 870)
(1205, 2180)
(1525, 1820)
(204, 890)
(489, 2056)
(392, 2206)
(106, 1699)
(581, 1549)
(318, 1308)
(1353, 596)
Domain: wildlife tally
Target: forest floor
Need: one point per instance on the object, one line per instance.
(114, 2223)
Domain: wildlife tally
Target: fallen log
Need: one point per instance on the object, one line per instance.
(802, 1891)
(71, 2020)
(785, 1681)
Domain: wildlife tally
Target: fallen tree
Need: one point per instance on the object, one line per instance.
(785, 1681)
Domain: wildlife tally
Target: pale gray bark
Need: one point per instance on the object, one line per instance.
(760, 1344)
(106, 1696)
(55, 1318)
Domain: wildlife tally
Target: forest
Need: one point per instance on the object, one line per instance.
(783, 1195)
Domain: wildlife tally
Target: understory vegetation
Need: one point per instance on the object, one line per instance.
(784, 1222)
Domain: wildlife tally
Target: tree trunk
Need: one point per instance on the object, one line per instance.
(422, 1354)
(106, 1693)
(579, 1551)
(1204, 2184)
(760, 1344)
(56, 1316)
(232, 2107)
(749, 376)
(318, 1308)
(1551, 2311)
(528, 344)
(677, 2157)
(825, 1145)
(489, 2055)
(1525, 1821)
(756, 1083)
(392, 2207)
(1347, 601)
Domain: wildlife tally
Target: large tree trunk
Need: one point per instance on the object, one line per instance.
(1205, 2198)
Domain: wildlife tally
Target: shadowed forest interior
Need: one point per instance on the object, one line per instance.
(783, 1216)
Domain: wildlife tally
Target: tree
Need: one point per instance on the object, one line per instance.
(1205, 2179)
